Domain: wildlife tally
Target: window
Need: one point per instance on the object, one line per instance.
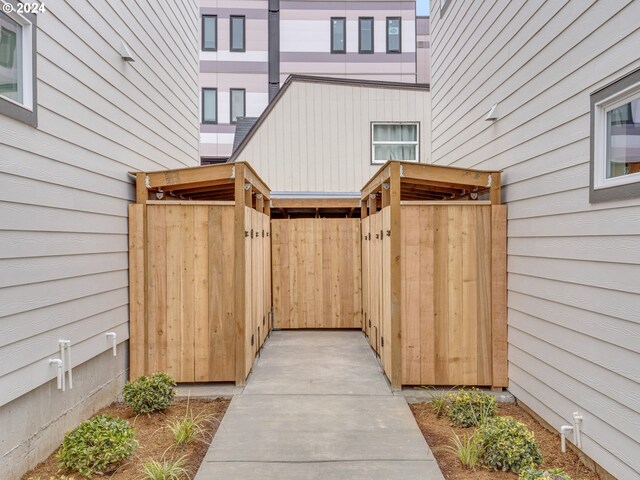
(338, 35)
(237, 33)
(615, 140)
(209, 33)
(394, 141)
(238, 96)
(365, 35)
(17, 66)
(209, 105)
(394, 35)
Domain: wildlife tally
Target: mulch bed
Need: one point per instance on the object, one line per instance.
(437, 432)
(153, 437)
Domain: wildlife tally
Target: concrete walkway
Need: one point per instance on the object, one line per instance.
(317, 407)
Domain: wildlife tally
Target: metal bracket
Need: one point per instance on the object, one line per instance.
(372, 196)
(258, 196)
(490, 180)
(386, 186)
(247, 186)
(233, 172)
(401, 170)
(147, 182)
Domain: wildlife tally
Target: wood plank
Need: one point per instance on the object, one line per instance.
(411, 274)
(202, 335)
(395, 222)
(499, 296)
(427, 308)
(484, 295)
(455, 310)
(174, 289)
(216, 316)
(183, 176)
(191, 202)
(469, 320)
(187, 325)
(239, 261)
(467, 203)
(441, 295)
(137, 289)
(320, 202)
(157, 289)
(227, 291)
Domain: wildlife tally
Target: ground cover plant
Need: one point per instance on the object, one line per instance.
(151, 393)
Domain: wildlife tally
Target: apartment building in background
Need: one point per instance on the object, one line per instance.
(249, 49)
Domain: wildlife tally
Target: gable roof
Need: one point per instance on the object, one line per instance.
(237, 150)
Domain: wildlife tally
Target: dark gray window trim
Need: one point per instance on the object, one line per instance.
(244, 103)
(13, 110)
(209, 122)
(244, 33)
(619, 192)
(214, 49)
(373, 48)
(399, 36)
(344, 33)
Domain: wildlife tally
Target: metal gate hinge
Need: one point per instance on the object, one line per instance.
(388, 233)
(252, 339)
(381, 342)
(246, 233)
(252, 233)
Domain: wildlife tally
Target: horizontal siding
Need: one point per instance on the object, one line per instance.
(573, 266)
(66, 186)
(318, 137)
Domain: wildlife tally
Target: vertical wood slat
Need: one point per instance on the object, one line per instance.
(317, 270)
(156, 245)
(499, 295)
(427, 310)
(187, 325)
(202, 334)
(174, 290)
(239, 261)
(137, 287)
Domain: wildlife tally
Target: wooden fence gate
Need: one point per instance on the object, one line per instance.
(316, 273)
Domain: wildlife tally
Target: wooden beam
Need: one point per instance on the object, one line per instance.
(210, 186)
(190, 175)
(444, 203)
(396, 278)
(137, 291)
(376, 181)
(191, 202)
(260, 203)
(315, 202)
(142, 194)
(500, 377)
(434, 186)
(451, 175)
(496, 189)
(239, 266)
(386, 195)
(373, 204)
(254, 179)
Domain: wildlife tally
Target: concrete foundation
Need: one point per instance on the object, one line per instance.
(32, 426)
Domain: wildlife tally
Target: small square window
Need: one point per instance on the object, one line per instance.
(17, 66)
(238, 104)
(237, 33)
(209, 105)
(209, 33)
(394, 141)
(615, 140)
(394, 35)
(338, 35)
(365, 35)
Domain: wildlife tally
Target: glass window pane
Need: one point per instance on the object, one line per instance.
(393, 35)
(209, 34)
(237, 104)
(382, 153)
(10, 59)
(338, 35)
(209, 105)
(366, 35)
(409, 133)
(237, 33)
(623, 139)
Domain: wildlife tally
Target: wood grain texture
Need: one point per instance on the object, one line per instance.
(136, 291)
(317, 273)
(499, 295)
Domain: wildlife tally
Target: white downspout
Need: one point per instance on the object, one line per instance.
(62, 364)
(66, 365)
(58, 363)
(113, 336)
(563, 436)
(577, 422)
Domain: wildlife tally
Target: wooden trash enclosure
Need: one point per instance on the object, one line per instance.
(200, 272)
(434, 275)
(316, 273)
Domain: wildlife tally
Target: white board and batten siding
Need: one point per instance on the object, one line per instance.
(317, 136)
(64, 185)
(574, 294)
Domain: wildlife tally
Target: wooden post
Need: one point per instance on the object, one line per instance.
(373, 204)
(137, 290)
(496, 189)
(499, 360)
(386, 195)
(260, 203)
(396, 286)
(363, 209)
(239, 265)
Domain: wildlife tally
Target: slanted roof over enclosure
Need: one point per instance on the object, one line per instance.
(419, 181)
(209, 182)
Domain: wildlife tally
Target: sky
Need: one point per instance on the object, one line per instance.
(423, 7)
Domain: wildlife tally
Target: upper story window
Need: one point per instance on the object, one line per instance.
(237, 33)
(17, 66)
(209, 33)
(615, 140)
(209, 105)
(238, 104)
(365, 35)
(394, 141)
(338, 35)
(394, 35)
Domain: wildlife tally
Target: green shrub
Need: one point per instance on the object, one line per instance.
(468, 408)
(467, 449)
(150, 393)
(508, 445)
(97, 446)
(534, 474)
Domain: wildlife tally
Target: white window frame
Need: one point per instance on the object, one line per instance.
(600, 138)
(374, 143)
(27, 58)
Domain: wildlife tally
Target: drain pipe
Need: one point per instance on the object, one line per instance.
(58, 363)
(113, 336)
(563, 436)
(577, 422)
(66, 365)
